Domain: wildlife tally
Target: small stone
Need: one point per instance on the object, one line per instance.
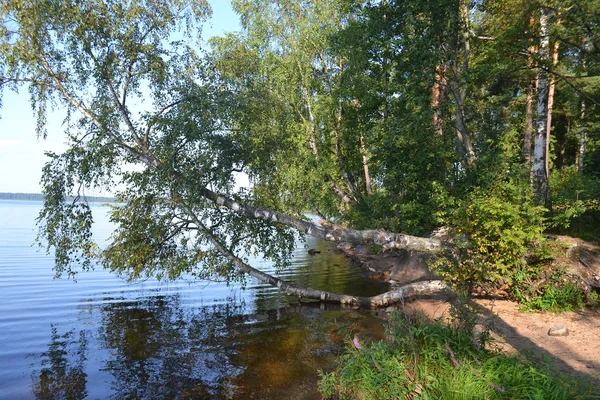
(559, 330)
(390, 309)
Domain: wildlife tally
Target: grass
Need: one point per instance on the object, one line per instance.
(423, 359)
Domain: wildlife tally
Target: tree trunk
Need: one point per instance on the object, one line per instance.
(365, 162)
(540, 179)
(363, 149)
(551, 90)
(384, 299)
(581, 152)
(528, 126)
(338, 151)
(438, 92)
(312, 135)
(459, 87)
(329, 232)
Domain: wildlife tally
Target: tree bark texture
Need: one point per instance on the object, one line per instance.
(528, 126)
(551, 89)
(438, 93)
(381, 300)
(581, 152)
(365, 162)
(329, 232)
(459, 86)
(540, 179)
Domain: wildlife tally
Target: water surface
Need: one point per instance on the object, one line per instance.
(101, 337)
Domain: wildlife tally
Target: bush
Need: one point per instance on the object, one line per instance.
(575, 204)
(497, 226)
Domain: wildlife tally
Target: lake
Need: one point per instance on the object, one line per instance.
(103, 338)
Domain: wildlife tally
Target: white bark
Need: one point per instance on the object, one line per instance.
(540, 179)
(551, 91)
(528, 126)
(332, 233)
(581, 154)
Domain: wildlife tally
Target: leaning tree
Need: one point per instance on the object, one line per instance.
(147, 115)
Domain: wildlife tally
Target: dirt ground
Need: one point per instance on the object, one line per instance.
(577, 354)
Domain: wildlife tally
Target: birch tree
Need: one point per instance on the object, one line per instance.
(540, 179)
(180, 213)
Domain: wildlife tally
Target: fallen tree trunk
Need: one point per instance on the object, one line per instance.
(330, 232)
(381, 300)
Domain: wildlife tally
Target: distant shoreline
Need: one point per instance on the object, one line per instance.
(40, 197)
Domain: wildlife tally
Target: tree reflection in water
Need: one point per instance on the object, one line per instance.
(161, 350)
(160, 347)
(62, 374)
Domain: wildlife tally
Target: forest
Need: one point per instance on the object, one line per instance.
(387, 119)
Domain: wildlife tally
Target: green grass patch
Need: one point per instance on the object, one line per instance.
(432, 360)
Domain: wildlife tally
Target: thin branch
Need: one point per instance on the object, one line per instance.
(87, 113)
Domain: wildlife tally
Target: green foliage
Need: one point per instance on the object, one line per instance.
(497, 225)
(432, 360)
(327, 106)
(575, 204)
(563, 298)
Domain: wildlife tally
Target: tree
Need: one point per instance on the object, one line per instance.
(540, 177)
(326, 105)
(181, 214)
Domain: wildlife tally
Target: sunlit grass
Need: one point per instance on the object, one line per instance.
(431, 360)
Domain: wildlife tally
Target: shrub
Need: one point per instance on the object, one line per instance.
(497, 226)
(575, 204)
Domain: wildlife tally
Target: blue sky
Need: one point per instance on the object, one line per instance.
(22, 154)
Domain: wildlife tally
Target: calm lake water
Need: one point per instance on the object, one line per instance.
(103, 338)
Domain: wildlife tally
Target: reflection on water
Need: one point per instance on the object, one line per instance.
(102, 338)
(62, 374)
(161, 350)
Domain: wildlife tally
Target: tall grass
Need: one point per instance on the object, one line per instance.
(423, 359)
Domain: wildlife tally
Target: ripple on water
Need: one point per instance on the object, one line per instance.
(102, 337)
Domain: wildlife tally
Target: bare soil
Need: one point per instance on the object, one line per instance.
(577, 354)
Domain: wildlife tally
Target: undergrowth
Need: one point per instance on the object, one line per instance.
(423, 359)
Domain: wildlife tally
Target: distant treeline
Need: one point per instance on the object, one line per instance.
(40, 197)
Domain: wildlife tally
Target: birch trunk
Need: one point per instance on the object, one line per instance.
(581, 153)
(540, 179)
(459, 88)
(528, 126)
(332, 233)
(381, 300)
(365, 162)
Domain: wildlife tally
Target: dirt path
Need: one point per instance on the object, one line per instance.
(576, 354)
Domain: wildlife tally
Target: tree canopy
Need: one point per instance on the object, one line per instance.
(387, 119)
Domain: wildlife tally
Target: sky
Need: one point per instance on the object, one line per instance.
(22, 153)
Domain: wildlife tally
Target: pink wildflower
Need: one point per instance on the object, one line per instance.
(355, 341)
